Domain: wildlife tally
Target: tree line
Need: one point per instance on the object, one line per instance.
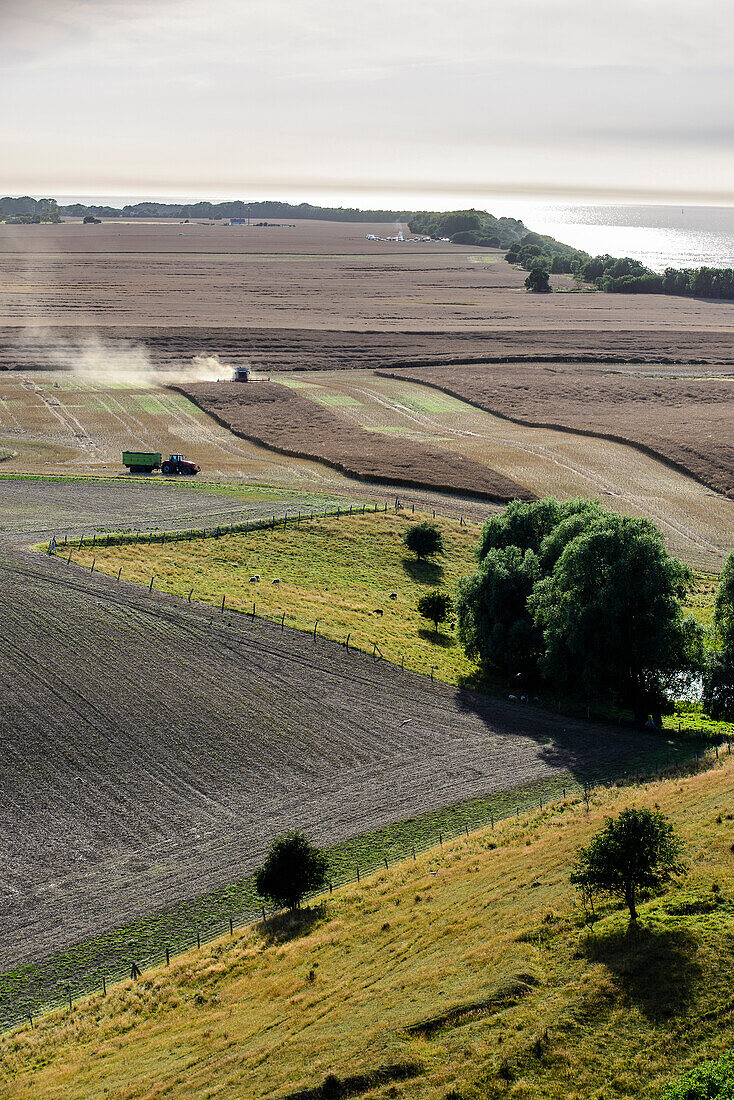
(472, 227)
(28, 211)
(237, 208)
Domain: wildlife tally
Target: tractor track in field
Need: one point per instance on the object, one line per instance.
(150, 749)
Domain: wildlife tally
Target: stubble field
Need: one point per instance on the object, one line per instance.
(316, 294)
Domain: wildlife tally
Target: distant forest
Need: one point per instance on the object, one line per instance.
(475, 228)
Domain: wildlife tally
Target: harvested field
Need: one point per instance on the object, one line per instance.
(687, 422)
(150, 750)
(278, 417)
(318, 294)
(698, 523)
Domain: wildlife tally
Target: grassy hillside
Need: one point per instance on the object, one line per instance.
(340, 571)
(471, 969)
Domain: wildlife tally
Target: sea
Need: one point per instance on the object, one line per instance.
(659, 236)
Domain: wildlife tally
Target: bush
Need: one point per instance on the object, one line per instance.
(293, 868)
(712, 1080)
(424, 539)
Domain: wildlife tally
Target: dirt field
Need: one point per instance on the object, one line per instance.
(686, 421)
(698, 523)
(149, 752)
(317, 294)
(277, 416)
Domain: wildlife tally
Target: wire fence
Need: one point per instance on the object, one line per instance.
(28, 1009)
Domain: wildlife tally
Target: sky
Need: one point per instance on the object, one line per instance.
(407, 103)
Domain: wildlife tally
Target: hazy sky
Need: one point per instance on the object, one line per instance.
(377, 100)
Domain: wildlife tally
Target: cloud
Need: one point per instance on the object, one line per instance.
(171, 91)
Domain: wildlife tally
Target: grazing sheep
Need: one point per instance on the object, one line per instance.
(255, 579)
(377, 611)
(276, 580)
(513, 698)
(393, 595)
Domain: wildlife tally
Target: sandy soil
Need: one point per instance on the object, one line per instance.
(698, 523)
(282, 286)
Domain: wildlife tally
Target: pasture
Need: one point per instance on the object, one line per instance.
(472, 965)
(348, 577)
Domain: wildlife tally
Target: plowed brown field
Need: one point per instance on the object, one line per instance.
(150, 753)
(279, 417)
(687, 422)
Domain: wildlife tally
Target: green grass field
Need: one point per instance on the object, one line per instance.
(472, 967)
(340, 571)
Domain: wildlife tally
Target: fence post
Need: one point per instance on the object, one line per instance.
(440, 839)
(491, 819)
(191, 594)
(347, 642)
(413, 851)
(198, 938)
(432, 668)
(69, 997)
(282, 622)
(357, 872)
(231, 931)
(94, 562)
(314, 628)
(168, 956)
(386, 867)
(104, 986)
(119, 574)
(150, 586)
(253, 612)
(263, 912)
(222, 604)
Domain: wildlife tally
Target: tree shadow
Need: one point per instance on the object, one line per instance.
(657, 969)
(422, 571)
(444, 641)
(291, 924)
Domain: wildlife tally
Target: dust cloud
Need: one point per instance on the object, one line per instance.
(96, 360)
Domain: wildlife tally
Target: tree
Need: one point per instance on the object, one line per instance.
(537, 281)
(493, 623)
(424, 539)
(718, 679)
(635, 854)
(292, 869)
(435, 605)
(611, 616)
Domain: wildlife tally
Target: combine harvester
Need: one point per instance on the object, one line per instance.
(145, 462)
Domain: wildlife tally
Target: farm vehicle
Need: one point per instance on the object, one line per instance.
(145, 462)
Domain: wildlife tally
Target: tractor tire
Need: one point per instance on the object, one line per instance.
(166, 468)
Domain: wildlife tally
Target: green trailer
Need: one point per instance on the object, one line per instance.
(142, 462)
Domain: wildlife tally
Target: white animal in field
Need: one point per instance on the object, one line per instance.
(255, 579)
(393, 595)
(276, 580)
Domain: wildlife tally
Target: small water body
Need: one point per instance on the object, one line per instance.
(659, 236)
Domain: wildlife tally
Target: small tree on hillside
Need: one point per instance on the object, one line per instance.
(424, 539)
(293, 868)
(635, 853)
(537, 281)
(436, 606)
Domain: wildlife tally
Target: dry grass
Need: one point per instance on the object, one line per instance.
(472, 961)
